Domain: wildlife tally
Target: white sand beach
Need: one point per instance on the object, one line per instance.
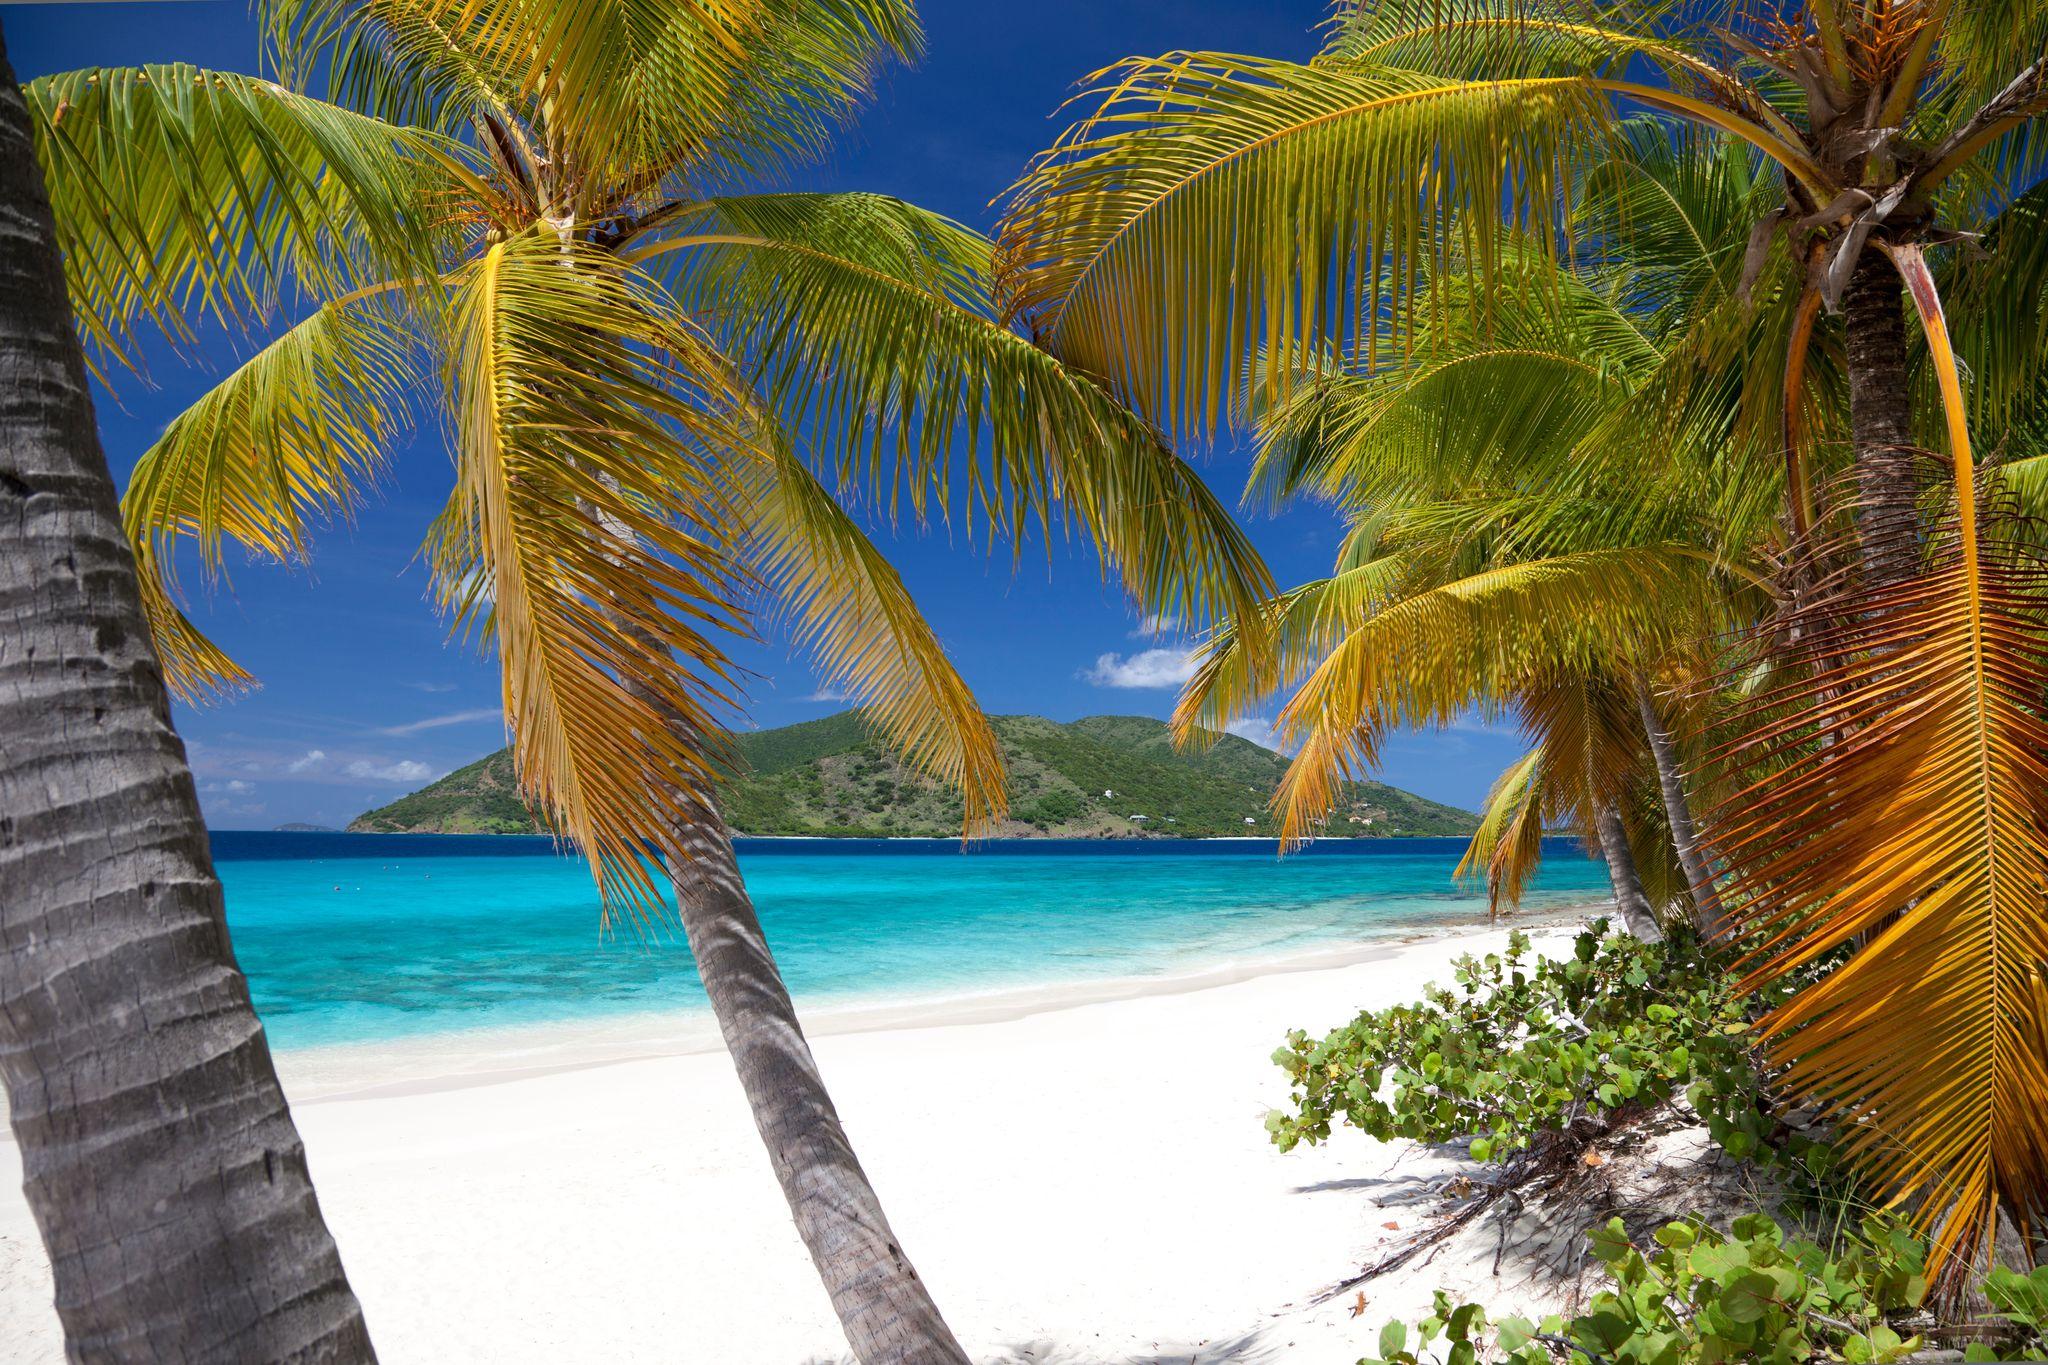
(1079, 1182)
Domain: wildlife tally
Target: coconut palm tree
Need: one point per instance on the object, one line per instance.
(158, 1154)
(1212, 206)
(662, 385)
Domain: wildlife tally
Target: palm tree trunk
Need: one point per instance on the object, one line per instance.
(160, 1160)
(1880, 418)
(1631, 902)
(1706, 899)
(886, 1310)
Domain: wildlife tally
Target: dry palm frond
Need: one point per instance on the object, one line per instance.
(1508, 845)
(1923, 829)
(1901, 804)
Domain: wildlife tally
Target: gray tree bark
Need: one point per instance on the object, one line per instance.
(1631, 902)
(1706, 898)
(1880, 419)
(160, 1160)
(886, 1310)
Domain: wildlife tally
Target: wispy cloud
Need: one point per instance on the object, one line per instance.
(1258, 730)
(405, 770)
(1154, 626)
(1149, 668)
(232, 787)
(431, 686)
(826, 694)
(436, 722)
(311, 759)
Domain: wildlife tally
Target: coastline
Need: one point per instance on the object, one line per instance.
(457, 1059)
(1087, 1181)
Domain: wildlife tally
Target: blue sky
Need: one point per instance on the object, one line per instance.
(364, 697)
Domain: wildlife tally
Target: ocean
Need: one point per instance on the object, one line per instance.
(363, 938)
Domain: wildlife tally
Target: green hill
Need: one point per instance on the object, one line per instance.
(831, 777)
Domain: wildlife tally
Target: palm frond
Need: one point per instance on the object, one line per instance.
(182, 193)
(871, 330)
(1475, 642)
(1215, 206)
(296, 432)
(1507, 848)
(590, 535)
(852, 611)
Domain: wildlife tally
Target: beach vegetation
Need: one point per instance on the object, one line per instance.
(554, 231)
(1693, 1294)
(1524, 1056)
(1767, 442)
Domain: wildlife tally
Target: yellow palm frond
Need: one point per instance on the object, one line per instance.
(591, 532)
(1475, 642)
(1508, 845)
(851, 609)
(296, 432)
(1896, 799)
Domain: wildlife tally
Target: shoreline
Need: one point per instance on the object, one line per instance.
(468, 1058)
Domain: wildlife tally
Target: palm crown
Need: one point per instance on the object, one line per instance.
(1218, 226)
(659, 387)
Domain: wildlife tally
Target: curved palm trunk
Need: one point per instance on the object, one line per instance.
(1699, 877)
(1880, 417)
(160, 1159)
(1631, 902)
(887, 1312)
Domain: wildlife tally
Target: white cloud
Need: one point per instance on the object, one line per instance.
(405, 770)
(826, 693)
(1152, 627)
(1147, 668)
(1258, 730)
(232, 787)
(312, 758)
(436, 722)
(431, 687)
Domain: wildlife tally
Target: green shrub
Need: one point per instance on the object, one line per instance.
(1523, 1046)
(1700, 1296)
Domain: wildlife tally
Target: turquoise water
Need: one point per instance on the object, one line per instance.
(359, 938)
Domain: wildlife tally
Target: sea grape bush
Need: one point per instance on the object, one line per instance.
(2021, 1299)
(1701, 1296)
(1520, 1045)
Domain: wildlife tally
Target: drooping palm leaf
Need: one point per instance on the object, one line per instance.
(851, 609)
(1920, 827)
(870, 327)
(591, 532)
(295, 433)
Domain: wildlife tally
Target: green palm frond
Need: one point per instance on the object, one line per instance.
(181, 193)
(1214, 206)
(592, 539)
(296, 432)
(851, 610)
(872, 332)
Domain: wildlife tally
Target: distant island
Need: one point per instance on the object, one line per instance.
(1102, 777)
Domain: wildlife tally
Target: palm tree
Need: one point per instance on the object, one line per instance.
(159, 1156)
(1214, 206)
(644, 362)
(1518, 547)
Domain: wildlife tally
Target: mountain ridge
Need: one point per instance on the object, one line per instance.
(1098, 777)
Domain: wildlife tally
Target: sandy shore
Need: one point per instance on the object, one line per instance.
(1082, 1177)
